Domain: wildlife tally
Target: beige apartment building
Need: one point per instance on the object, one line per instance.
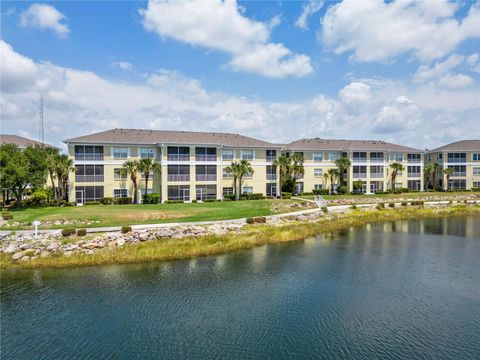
(370, 162)
(463, 157)
(192, 164)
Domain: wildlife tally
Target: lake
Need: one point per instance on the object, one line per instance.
(398, 290)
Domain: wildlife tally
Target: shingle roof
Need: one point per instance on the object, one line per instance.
(141, 136)
(20, 141)
(346, 145)
(462, 145)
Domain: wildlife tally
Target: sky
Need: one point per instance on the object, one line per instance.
(400, 71)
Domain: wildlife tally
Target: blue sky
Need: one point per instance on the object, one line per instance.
(405, 72)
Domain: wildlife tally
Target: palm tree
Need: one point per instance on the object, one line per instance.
(147, 166)
(333, 174)
(396, 168)
(435, 169)
(51, 158)
(63, 167)
(428, 170)
(343, 164)
(282, 163)
(295, 168)
(131, 167)
(358, 185)
(448, 172)
(239, 170)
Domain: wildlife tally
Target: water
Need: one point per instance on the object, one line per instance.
(403, 290)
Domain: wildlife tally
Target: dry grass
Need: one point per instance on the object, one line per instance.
(217, 244)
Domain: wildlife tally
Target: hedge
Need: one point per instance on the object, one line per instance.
(320, 192)
(92, 203)
(152, 198)
(68, 232)
(286, 195)
(81, 232)
(7, 216)
(174, 202)
(116, 200)
(126, 229)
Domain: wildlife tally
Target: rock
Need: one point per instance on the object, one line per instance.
(88, 251)
(11, 248)
(112, 244)
(25, 258)
(120, 242)
(92, 245)
(68, 253)
(101, 244)
(17, 256)
(53, 246)
(29, 252)
(44, 254)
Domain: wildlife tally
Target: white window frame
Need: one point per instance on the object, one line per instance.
(336, 157)
(476, 157)
(243, 152)
(397, 157)
(476, 171)
(476, 184)
(318, 186)
(316, 173)
(120, 148)
(228, 151)
(317, 156)
(150, 151)
(120, 189)
(123, 177)
(229, 190)
(250, 190)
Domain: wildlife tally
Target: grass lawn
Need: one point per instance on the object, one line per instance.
(117, 215)
(411, 195)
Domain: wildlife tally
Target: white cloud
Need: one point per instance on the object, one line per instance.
(221, 25)
(43, 16)
(124, 65)
(79, 102)
(377, 31)
(308, 10)
(426, 72)
(455, 81)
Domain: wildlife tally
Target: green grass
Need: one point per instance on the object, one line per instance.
(411, 195)
(118, 215)
(170, 249)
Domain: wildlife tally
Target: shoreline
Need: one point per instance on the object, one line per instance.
(248, 237)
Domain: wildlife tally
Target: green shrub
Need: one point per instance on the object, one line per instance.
(7, 216)
(260, 219)
(92, 203)
(417, 203)
(250, 220)
(404, 203)
(320, 192)
(380, 206)
(39, 197)
(392, 205)
(68, 232)
(229, 197)
(152, 198)
(306, 193)
(81, 232)
(325, 209)
(209, 200)
(354, 207)
(174, 202)
(475, 188)
(123, 200)
(286, 195)
(108, 201)
(194, 201)
(342, 189)
(255, 196)
(126, 229)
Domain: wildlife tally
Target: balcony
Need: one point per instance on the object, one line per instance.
(271, 158)
(376, 175)
(414, 175)
(271, 176)
(227, 176)
(205, 157)
(414, 161)
(377, 160)
(88, 157)
(206, 177)
(359, 175)
(459, 160)
(178, 177)
(459, 174)
(178, 157)
(89, 178)
(359, 159)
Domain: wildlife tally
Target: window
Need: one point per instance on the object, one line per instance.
(414, 185)
(333, 156)
(476, 171)
(120, 153)
(439, 156)
(247, 190)
(376, 156)
(476, 157)
(413, 158)
(271, 155)
(458, 170)
(359, 172)
(89, 173)
(414, 171)
(457, 184)
(150, 176)
(396, 157)
(88, 152)
(205, 154)
(147, 153)
(227, 191)
(178, 173)
(457, 157)
(120, 193)
(118, 174)
(226, 174)
(206, 192)
(271, 189)
(271, 172)
(205, 172)
(246, 154)
(318, 172)
(248, 176)
(376, 171)
(228, 154)
(88, 193)
(359, 156)
(178, 192)
(476, 184)
(317, 157)
(398, 185)
(318, 187)
(178, 153)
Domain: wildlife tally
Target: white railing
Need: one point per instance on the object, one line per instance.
(414, 175)
(359, 175)
(227, 176)
(206, 177)
(178, 177)
(88, 157)
(459, 174)
(377, 160)
(271, 176)
(271, 158)
(205, 157)
(376, 175)
(178, 157)
(460, 160)
(414, 161)
(89, 178)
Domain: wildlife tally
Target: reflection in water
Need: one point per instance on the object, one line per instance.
(404, 289)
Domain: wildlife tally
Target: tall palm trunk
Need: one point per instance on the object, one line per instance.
(52, 177)
(146, 182)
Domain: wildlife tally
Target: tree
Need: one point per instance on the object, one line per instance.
(51, 159)
(296, 167)
(20, 170)
(333, 174)
(239, 170)
(147, 166)
(396, 168)
(428, 170)
(358, 185)
(282, 163)
(448, 172)
(435, 169)
(131, 167)
(343, 164)
(63, 167)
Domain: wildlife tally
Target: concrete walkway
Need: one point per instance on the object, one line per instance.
(334, 209)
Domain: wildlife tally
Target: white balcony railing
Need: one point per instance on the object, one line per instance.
(377, 160)
(459, 160)
(89, 178)
(376, 175)
(271, 158)
(178, 157)
(360, 159)
(271, 176)
(414, 175)
(205, 157)
(88, 157)
(206, 177)
(227, 176)
(414, 161)
(178, 177)
(359, 175)
(459, 174)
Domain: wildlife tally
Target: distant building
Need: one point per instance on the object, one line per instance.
(20, 141)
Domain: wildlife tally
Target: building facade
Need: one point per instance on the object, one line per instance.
(463, 157)
(193, 164)
(370, 163)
